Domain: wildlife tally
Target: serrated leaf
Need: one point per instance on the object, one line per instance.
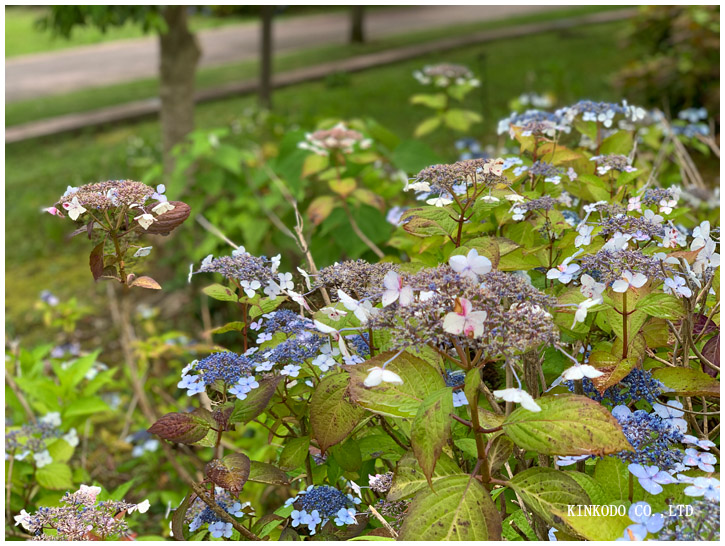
(566, 425)
(428, 221)
(256, 401)
(431, 430)
(459, 509)
(229, 473)
(545, 490)
(294, 453)
(183, 428)
(665, 306)
(56, 476)
(595, 492)
(267, 473)
(612, 475)
(409, 479)
(332, 415)
(220, 292)
(420, 379)
(593, 527)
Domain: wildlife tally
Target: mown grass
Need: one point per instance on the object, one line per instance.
(22, 37)
(573, 64)
(85, 100)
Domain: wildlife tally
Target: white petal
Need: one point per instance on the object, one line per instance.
(391, 281)
(620, 286)
(390, 295)
(406, 295)
(638, 280)
(458, 263)
(453, 323)
(375, 376)
(391, 377)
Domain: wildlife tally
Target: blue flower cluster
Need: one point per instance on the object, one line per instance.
(318, 504)
(638, 385)
(286, 321)
(360, 344)
(651, 436)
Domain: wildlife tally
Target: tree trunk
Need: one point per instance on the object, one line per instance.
(179, 56)
(357, 27)
(265, 74)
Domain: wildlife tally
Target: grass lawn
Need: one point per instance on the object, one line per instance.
(572, 64)
(79, 101)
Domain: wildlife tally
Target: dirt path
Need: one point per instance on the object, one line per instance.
(48, 74)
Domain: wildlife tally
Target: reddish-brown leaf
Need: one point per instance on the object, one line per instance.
(230, 473)
(145, 282)
(183, 428)
(711, 351)
(96, 261)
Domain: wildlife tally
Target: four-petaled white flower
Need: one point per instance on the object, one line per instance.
(42, 458)
(74, 208)
(580, 371)
(333, 314)
(144, 220)
(628, 281)
(471, 265)
(666, 205)
(162, 207)
(618, 241)
(395, 291)
(582, 309)
(518, 396)
(285, 281)
(635, 203)
(518, 213)
(251, 287)
(564, 272)
(585, 235)
(440, 201)
(464, 321)
(377, 375)
(362, 310)
(591, 288)
(23, 519)
(677, 286)
(650, 216)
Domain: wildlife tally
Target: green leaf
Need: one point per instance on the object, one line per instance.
(256, 401)
(332, 416)
(56, 476)
(265, 305)
(420, 379)
(220, 292)
(461, 120)
(619, 143)
(427, 126)
(177, 520)
(519, 519)
(687, 382)
(612, 475)
(431, 429)
(594, 527)
(566, 425)
(501, 449)
(596, 493)
(294, 453)
(459, 509)
(314, 163)
(235, 326)
(267, 473)
(348, 455)
(545, 490)
(60, 450)
(413, 155)
(409, 479)
(665, 306)
(428, 221)
(436, 101)
(471, 384)
(85, 406)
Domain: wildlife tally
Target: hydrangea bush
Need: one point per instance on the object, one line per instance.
(538, 339)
